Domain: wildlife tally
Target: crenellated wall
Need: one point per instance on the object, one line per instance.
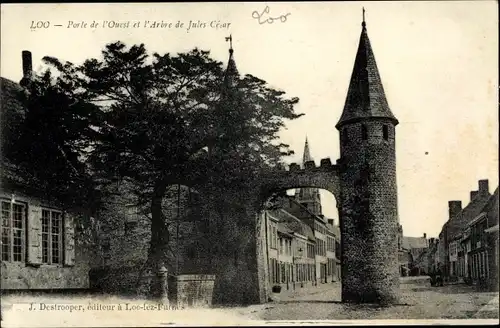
(325, 176)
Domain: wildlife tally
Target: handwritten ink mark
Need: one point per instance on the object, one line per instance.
(269, 20)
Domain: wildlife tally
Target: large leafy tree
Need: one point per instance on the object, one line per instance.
(168, 119)
(48, 141)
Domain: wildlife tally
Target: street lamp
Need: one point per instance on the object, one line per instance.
(299, 255)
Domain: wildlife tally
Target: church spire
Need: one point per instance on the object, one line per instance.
(231, 70)
(309, 197)
(366, 96)
(307, 154)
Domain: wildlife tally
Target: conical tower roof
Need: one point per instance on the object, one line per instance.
(231, 74)
(366, 96)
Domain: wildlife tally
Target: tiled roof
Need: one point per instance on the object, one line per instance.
(300, 211)
(466, 215)
(290, 223)
(11, 108)
(492, 201)
(415, 242)
(366, 96)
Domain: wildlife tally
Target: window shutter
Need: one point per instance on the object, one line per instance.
(69, 240)
(34, 242)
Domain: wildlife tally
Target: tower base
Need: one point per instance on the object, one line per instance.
(387, 296)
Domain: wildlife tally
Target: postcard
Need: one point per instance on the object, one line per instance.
(249, 163)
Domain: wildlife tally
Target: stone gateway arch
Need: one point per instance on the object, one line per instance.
(363, 182)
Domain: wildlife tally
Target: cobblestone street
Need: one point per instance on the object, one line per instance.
(419, 301)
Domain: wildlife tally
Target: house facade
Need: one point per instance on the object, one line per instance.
(451, 235)
(333, 251)
(39, 249)
(290, 255)
(483, 241)
(43, 247)
(292, 247)
(468, 243)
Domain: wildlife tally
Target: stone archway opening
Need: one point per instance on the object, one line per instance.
(301, 239)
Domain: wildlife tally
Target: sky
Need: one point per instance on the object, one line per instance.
(438, 62)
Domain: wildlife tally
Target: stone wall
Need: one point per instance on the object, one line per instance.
(187, 291)
(20, 276)
(227, 248)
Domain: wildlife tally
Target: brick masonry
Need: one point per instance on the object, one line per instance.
(370, 267)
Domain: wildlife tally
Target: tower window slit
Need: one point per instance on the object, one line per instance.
(364, 132)
(385, 130)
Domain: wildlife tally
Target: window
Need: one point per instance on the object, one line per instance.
(51, 236)
(13, 231)
(273, 237)
(364, 132)
(385, 130)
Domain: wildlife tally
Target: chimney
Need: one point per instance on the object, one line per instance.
(330, 221)
(473, 194)
(425, 235)
(27, 64)
(454, 207)
(483, 186)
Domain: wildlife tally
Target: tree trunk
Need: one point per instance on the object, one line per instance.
(156, 262)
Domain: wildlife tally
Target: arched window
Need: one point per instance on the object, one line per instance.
(385, 130)
(364, 132)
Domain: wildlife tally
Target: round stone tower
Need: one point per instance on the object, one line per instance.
(368, 202)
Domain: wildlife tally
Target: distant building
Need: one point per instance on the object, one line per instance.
(307, 207)
(432, 255)
(333, 251)
(418, 248)
(458, 219)
(413, 253)
(403, 254)
(290, 245)
(481, 242)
